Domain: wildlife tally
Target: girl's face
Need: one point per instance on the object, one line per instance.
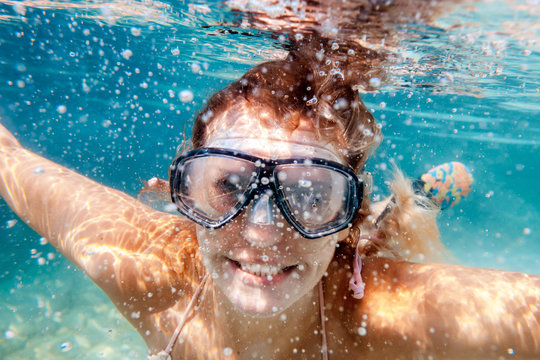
(258, 261)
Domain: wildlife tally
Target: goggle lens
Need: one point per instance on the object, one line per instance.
(316, 196)
(214, 187)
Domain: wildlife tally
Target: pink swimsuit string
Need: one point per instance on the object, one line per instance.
(356, 285)
(166, 354)
(182, 322)
(324, 347)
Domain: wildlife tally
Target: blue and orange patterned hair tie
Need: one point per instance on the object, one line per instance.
(446, 184)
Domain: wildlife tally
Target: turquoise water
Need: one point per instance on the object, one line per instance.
(96, 87)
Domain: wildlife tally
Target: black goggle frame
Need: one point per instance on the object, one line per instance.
(266, 169)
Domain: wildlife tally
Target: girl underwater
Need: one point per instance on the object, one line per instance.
(279, 253)
(277, 207)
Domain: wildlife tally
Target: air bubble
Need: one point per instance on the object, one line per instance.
(186, 96)
(126, 54)
(341, 104)
(312, 101)
(195, 68)
(135, 314)
(375, 82)
(65, 347)
(11, 223)
(85, 87)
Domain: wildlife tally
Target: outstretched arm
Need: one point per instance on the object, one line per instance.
(449, 311)
(130, 250)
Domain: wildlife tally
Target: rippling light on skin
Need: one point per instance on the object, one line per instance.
(432, 306)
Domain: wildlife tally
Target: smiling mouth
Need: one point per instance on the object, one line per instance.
(262, 270)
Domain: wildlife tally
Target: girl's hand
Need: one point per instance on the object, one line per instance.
(7, 140)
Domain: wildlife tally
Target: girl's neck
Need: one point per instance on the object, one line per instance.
(297, 327)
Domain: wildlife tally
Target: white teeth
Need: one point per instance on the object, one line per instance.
(261, 270)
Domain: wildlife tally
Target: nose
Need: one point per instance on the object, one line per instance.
(261, 226)
(261, 211)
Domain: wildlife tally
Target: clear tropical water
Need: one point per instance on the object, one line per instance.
(105, 89)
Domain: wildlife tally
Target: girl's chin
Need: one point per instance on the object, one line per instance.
(256, 307)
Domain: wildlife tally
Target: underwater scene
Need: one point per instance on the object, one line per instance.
(111, 88)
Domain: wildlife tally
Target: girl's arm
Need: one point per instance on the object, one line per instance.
(136, 254)
(448, 311)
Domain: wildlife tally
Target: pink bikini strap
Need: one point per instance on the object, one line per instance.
(356, 285)
(324, 346)
(166, 354)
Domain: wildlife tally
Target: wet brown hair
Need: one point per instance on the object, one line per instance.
(317, 81)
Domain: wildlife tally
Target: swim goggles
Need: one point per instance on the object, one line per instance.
(317, 197)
